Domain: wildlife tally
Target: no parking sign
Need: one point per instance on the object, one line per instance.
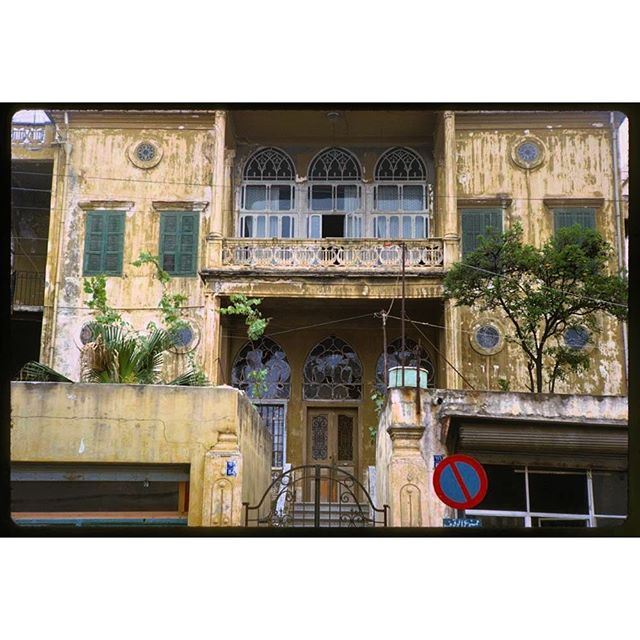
(460, 481)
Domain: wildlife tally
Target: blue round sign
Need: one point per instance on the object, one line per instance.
(460, 482)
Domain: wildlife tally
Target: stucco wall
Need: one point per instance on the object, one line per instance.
(62, 422)
(577, 164)
(100, 174)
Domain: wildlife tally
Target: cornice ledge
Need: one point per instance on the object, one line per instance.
(179, 205)
(498, 200)
(572, 201)
(119, 205)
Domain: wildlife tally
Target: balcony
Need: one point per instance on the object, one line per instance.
(332, 255)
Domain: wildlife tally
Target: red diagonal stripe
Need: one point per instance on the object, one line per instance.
(456, 473)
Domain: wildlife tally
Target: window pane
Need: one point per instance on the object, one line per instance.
(247, 227)
(321, 197)
(558, 493)
(388, 198)
(255, 198)
(407, 231)
(420, 231)
(394, 227)
(609, 522)
(381, 227)
(280, 198)
(559, 522)
(261, 226)
(347, 198)
(273, 227)
(506, 490)
(413, 198)
(610, 493)
(314, 226)
(287, 227)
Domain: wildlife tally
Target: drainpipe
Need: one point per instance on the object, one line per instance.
(61, 206)
(619, 228)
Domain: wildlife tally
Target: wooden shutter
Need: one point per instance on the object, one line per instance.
(475, 223)
(568, 216)
(103, 245)
(179, 242)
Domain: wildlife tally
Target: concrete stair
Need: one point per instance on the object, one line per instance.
(331, 514)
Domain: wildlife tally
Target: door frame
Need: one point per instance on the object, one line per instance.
(332, 405)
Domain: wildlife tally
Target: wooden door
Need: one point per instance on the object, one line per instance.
(331, 437)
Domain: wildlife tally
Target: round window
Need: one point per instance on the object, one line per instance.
(86, 333)
(183, 337)
(576, 337)
(146, 152)
(528, 152)
(488, 337)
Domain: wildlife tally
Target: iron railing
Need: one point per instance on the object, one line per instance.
(343, 254)
(27, 288)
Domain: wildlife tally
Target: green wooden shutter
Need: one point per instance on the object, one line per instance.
(179, 242)
(475, 223)
(113, 243)
(103, 243)
(569, 216)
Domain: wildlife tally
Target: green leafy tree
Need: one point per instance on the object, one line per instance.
(542, 292)
(256, 325)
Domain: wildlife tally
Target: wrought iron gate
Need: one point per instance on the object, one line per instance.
(315, 496)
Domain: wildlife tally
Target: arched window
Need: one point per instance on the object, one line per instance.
(394, 359)
(268, 191)
(255, 357)
(268, 390)
(332, 371)
(401, 195)
(336, 197)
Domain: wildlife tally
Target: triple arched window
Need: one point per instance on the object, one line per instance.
(336, 202)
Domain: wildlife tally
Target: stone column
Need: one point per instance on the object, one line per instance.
(216, 220)
(222, 484)
(212, 338)
(415, 439)
(451, 239)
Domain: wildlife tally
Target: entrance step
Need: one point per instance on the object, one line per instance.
(330, 514)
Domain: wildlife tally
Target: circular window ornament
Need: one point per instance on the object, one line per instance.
(185, 338)
(145, 154)
(576, 337)
(487, 338)
(528, 153)
(86, 333)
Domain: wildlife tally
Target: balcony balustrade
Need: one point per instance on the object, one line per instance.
(27, 289)
(333, 254)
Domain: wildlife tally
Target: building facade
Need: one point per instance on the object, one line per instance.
(314, 212)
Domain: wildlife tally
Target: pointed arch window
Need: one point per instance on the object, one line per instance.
(395, 358)
(336, 197)
(256, 356)
(401, 195)
(268, 192)
(332, 371)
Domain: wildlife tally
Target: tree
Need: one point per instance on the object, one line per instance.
(542, 292)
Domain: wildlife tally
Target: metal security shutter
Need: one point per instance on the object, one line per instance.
(103, 245)
(475, 223)
(569, 216)
(179, 243)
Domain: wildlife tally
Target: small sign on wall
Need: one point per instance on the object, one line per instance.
(232, 468)
(437, 460)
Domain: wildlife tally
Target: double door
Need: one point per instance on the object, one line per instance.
(331, 441)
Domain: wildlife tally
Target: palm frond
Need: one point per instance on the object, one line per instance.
(190, 378)
(38, 372)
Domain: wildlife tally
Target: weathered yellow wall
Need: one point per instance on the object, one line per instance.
(83, 423)
(578, 164)
(99, 170)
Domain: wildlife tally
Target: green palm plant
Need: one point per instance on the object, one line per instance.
(117, 356)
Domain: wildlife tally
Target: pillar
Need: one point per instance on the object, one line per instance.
(222, 484)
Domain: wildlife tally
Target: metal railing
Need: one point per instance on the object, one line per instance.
(332, 253)
(27, 288)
